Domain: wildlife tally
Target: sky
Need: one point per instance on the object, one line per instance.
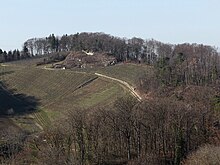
(169, 21)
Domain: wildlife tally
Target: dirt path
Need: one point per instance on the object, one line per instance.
(46, 68)
(4, 65)
(130, 88)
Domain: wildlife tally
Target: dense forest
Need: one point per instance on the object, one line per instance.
(137, 49)
(159, 131)
(174, 123)
(182, 63)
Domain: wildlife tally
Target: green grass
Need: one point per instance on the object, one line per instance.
(41, 117)
(126, 72)
(99, 92)
(57, 92)
(105, 92)
(47, 86)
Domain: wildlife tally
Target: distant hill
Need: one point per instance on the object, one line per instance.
(178, 94)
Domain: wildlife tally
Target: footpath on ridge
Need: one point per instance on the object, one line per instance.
(129, 87)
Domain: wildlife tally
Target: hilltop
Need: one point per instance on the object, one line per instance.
(91, 98)
(84, 60)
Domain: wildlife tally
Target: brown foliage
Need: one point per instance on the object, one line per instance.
(205, 155)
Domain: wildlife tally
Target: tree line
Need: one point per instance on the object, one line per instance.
(160, 131)
(186, 64)
(187, 60)
(14, 55)
(123, 48)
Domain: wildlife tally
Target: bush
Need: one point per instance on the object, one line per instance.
(205, 155)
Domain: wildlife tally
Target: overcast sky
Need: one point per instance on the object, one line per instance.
(172, 21)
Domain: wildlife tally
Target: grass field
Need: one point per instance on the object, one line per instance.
(57, 92)
(31, 62)
(126, 72)
(47, 86)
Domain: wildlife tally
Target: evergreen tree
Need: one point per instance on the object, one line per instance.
(25, 52)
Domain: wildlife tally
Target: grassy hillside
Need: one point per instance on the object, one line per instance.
(58, 91)
(27, 62)
(48, 86)
(127, 72)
